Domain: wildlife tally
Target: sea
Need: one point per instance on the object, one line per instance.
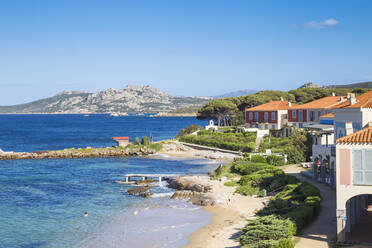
(42, 202)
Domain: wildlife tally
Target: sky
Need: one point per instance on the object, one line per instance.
(189, 48)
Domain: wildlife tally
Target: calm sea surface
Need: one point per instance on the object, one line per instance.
(42, 202)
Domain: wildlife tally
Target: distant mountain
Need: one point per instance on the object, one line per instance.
(366, 85)
(236, 93)
(133, 98)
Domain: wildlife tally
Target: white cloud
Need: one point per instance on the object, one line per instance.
(324, 24)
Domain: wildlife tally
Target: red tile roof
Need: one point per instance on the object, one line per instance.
(121, 138)
(364, 136)
(271, 106)
(362, 101)
(322, 103)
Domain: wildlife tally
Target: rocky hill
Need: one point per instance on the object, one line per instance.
(133, 98)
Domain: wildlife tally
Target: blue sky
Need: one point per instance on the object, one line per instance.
(182, 47)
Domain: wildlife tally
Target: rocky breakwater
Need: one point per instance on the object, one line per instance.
(198, 189)
(79, 153)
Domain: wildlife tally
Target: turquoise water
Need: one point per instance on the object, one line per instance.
(42, 202)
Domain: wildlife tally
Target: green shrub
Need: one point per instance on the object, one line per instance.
(137, 141)
(258, 159)
(275, 160)
(188, 130)
(246, 190)
(286, 243)
(231, 183)
(245, 167)
(156, 146)
(267, 231)
(145, 141)
(228, 141)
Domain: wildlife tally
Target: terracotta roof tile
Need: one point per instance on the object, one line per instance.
(364, 136)
(270, 106)
(120, 138)
(330, 115)
(322, 103)
(362, 101)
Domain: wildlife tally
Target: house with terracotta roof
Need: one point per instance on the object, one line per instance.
(348, 116)
(122, 141)
(271, 115)
(354, 185)
(311, 112)
(357, 110)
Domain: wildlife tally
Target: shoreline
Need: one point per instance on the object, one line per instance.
(230, 214)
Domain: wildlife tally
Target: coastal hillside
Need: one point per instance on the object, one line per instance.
(366, 85)
(133, 98)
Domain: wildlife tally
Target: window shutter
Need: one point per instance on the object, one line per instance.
(357, 167)
(357, 159)
(368, 160)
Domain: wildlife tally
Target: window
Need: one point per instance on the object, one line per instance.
(293, 113)
(300, 113)
(273, 116)
(318, 114)
(256, 116)
(311, 115)
(362, 166)
(250, 115)
(266, 116)
(273, 126)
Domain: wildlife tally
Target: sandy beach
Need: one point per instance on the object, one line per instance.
(232, 210)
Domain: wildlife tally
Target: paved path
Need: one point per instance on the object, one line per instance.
(323, 229)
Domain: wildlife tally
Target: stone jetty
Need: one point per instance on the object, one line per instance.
(79, 153)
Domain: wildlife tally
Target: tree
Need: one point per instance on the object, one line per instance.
(217, 109)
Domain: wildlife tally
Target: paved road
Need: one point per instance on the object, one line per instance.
(323, 229)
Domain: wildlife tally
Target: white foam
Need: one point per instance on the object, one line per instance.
(157, 195)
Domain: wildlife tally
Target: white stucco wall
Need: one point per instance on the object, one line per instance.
(282, 118)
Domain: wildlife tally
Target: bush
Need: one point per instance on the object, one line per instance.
(245, 167)
(231, 183)
(145, 141)
(156, 146)
(268, 231)
(286, 243)
(188, 130)
(229, 141)
(258, 159)
(246, 190)
(299, 201)
(137, 141)
(275, 160)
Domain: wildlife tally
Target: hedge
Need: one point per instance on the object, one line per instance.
(228, 141)
(295, 202)
(268, 231)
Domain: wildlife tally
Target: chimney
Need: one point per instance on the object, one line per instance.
(369, 124)
(289, 104)
(351, 98)
(281, 99)
(333, 94)
(349, 128)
